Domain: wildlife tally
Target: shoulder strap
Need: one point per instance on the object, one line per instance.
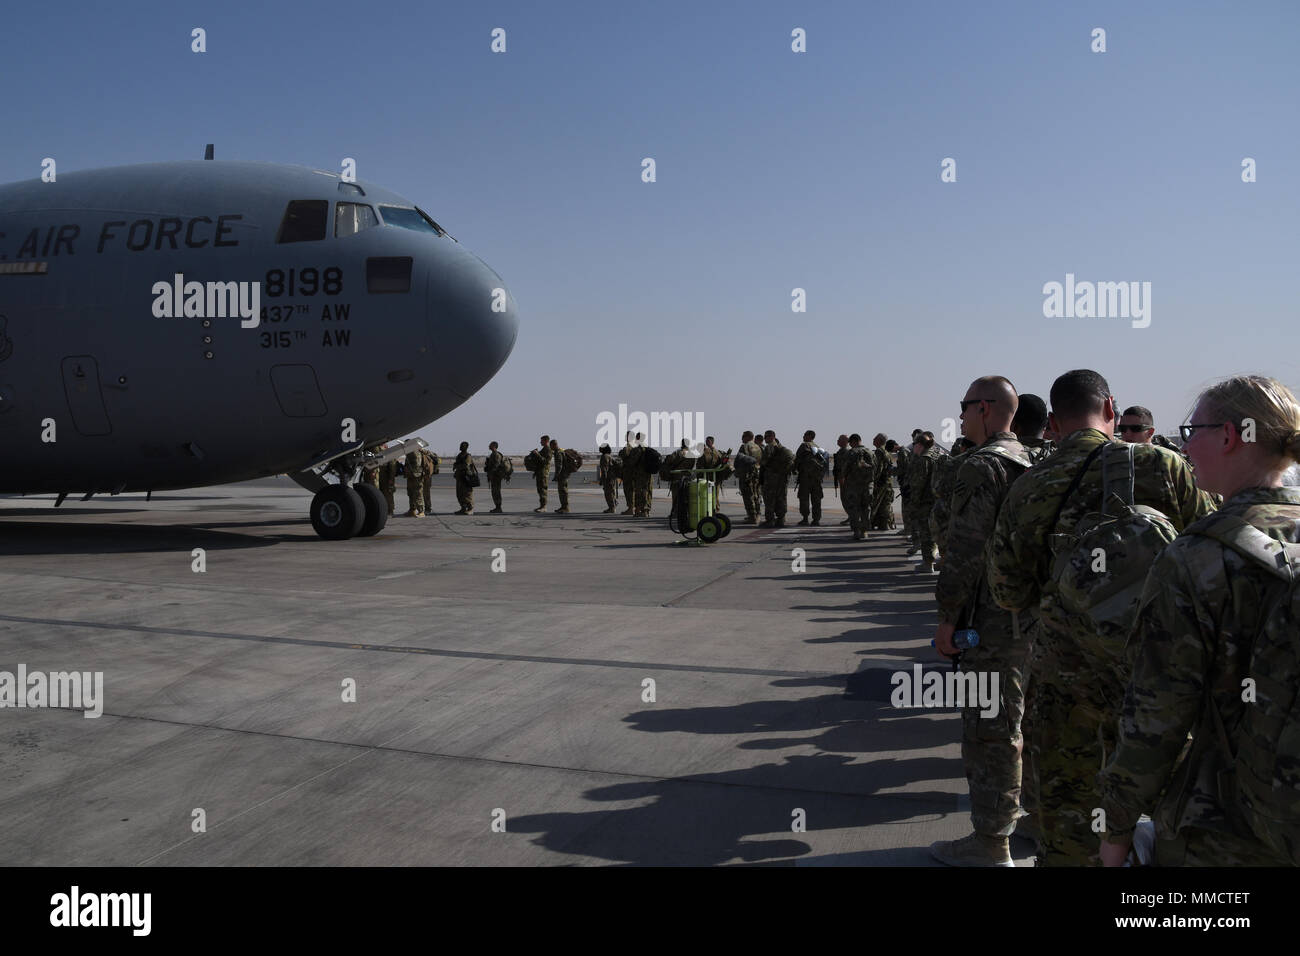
(1075, 483)
(1002, 451)
(1280, 558)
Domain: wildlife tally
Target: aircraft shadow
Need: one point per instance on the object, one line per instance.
(57, 537)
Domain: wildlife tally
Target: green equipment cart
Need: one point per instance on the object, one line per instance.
(695, 514)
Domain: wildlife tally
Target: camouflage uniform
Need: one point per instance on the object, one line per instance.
(942, 482)
(837, 474)
(387, 473)
(1075, 706)
(561, 478)
(920, 499)
(855, 487)
(1038, 448)
(629, 480)
(609, 483)
(414, 482)
(494, 467)
(808, 474)
(904, 492)
(542, 475)
(882, 493)
(426, 480)
(635, 477)
(1201, 610)
(775, 478)
(371, 475)
(751, 489)
(464, 491)
(990, 746)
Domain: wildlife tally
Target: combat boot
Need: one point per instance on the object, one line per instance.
(540, 509)
(628, 512)
(845, 521)
(462, 511)
(803, 520)
(974, 850)
(561, 511)
(816, 522)
(780, 522)
(608, 511)
(496, 511)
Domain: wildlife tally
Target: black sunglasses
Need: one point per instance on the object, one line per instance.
(1134, 428)
(1186, 430)
(972, 401)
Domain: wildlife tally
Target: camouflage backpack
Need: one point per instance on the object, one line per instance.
(1263, 786)
(507, 467)
(572, 461)
(533, 461)
(859, 465)
(1100, 568)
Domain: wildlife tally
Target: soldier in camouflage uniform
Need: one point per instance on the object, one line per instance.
(495, 469)
(901, 460)
(414, 482)
(990, 746)
(605, 474)
(1201, 613)
(808, 471)
(1074, 704)
(371, 475)
(920, 475)
(776, 464)
(882, 488)
(543, 473)
(562, 472)
(837, 470)
(461, 470)
(751, 491)
(388, 483)
(1029, 425)
(626, 453)
(636, 477)
(430, 461)
(855, 485)
(945, 475)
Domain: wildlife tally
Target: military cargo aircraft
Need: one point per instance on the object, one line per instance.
(174, 325)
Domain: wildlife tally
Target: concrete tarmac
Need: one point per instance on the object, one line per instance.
(500, 717)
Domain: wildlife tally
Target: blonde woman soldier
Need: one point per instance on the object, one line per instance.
(1214, 653)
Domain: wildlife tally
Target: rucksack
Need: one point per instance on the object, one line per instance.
(507, 467)
(651, 460)
(572, 461)
(1100, 568)
(1264, 784)
(859, 464)
(744, 464)
(533, 461)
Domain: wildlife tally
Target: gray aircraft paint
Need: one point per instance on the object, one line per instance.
(137, 403)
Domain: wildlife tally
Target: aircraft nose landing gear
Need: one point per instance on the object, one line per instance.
(337, 512)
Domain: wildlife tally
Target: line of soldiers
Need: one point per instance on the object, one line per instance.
(1120, 705)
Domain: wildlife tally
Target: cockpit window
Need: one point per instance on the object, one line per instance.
(413, 219)
(353, 217)
(304, 221)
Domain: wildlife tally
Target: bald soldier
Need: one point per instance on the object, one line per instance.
(990, 745)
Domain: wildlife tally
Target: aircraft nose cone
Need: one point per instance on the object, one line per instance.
(473, 317)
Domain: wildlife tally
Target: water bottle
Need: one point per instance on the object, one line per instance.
(964, 639)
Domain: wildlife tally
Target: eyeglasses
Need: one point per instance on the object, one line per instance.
(1185, 431)
(1134, 428)
(972, 401)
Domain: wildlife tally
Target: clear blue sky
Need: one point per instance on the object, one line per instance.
(775, 170)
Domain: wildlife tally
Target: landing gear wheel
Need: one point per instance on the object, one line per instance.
(709, 530)
(337, 512)
(726, 524)
(376, 509)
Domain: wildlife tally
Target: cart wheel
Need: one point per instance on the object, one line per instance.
(726, 525)
(709, 530)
